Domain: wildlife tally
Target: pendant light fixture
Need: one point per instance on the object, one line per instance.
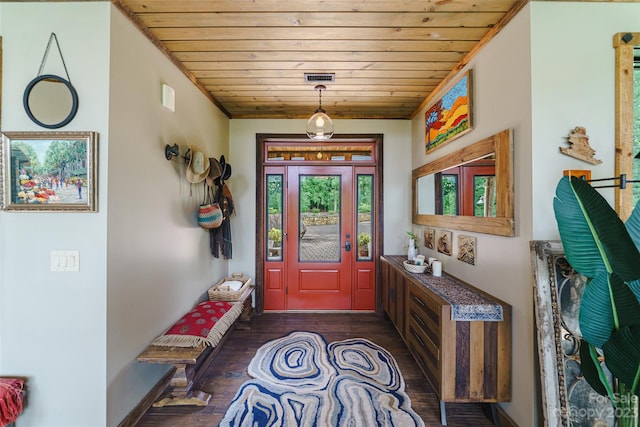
(320, 125)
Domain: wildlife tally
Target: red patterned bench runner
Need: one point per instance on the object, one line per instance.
(205, 323)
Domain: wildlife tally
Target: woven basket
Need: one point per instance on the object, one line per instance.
(412, 268)
(221, 292)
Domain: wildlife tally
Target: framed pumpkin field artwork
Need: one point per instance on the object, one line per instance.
(49, 171)
(450, 116)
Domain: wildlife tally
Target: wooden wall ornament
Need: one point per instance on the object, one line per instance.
(579, 146)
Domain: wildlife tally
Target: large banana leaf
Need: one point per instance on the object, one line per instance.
(625, 302)
(596, 313)
(600, 246)
(622, 355)
(633, 225)
(592, 369)
(634, 285)
(597, 318)
(592, 234)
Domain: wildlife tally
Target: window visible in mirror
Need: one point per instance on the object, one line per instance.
(499, 147)
(448, 195)
(465, 190)
(484, 198)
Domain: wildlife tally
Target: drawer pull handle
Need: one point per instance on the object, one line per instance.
(418, 320)
(419, 357)
(419, 301)
(418, 338)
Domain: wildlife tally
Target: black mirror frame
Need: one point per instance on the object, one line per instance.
(74, 105)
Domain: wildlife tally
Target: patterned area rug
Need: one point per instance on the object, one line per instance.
(300, 380)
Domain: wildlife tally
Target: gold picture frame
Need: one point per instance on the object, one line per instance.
(49, 171)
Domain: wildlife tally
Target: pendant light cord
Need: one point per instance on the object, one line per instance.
(46, 54)
(320, 88)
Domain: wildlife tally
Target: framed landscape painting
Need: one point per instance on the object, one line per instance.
(450, 116)
(49, 171)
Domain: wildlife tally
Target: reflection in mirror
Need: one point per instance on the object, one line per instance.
(50, 101)
(467, 189)
(470, 189)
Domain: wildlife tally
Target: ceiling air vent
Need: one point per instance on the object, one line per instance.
(319, 77)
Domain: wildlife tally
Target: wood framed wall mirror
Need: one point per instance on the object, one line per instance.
(470, 189)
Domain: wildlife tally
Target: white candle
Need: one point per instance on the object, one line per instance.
(437, 268)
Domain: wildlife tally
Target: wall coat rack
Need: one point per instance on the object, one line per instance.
(171, 151)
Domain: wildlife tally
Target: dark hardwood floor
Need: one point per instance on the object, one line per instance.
(228, 371)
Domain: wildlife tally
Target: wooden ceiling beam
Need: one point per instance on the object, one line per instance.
(316, 19)
(165, 6)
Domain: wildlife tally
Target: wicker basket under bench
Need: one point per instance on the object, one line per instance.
(189, 365)
(221, 291)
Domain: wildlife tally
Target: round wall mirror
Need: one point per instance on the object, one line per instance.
(50, 101)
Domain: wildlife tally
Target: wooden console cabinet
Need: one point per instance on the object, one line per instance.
(464, 360)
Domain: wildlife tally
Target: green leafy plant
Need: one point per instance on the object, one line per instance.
(601, 247)
(275, 234)
(363, 239)
(412, 235)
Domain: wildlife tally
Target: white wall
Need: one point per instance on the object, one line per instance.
(143, 259)
(573, 75)
(501, 99)
(53, 324)
(159, 261)
(242, 156)
(549, 70)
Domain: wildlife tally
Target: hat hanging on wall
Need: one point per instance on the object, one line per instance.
(198, 167)
(225, 173)
(215, 171)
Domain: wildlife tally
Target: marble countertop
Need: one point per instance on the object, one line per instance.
(467, 304)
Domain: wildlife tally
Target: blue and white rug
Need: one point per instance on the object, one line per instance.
(300, 380)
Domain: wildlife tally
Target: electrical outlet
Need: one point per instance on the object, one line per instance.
(65, 261)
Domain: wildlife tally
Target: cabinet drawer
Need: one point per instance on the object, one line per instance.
(431, 372)
(426, 314)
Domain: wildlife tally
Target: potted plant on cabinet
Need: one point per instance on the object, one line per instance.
(601, 247)
(412, 251)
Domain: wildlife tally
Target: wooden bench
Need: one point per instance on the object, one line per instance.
(190, 363)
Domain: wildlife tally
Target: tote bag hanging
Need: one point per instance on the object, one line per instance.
(209, 213)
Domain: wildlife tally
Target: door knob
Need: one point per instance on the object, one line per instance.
(347, 246)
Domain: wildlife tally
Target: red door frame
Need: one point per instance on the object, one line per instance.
(270, 276)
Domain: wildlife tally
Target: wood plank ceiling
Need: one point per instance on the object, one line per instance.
(388, 56)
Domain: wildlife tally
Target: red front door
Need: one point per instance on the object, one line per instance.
(319, 237)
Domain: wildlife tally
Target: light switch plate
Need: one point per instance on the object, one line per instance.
(65, 261)
(168, 97)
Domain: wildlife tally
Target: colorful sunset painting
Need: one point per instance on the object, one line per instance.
(450, 116)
